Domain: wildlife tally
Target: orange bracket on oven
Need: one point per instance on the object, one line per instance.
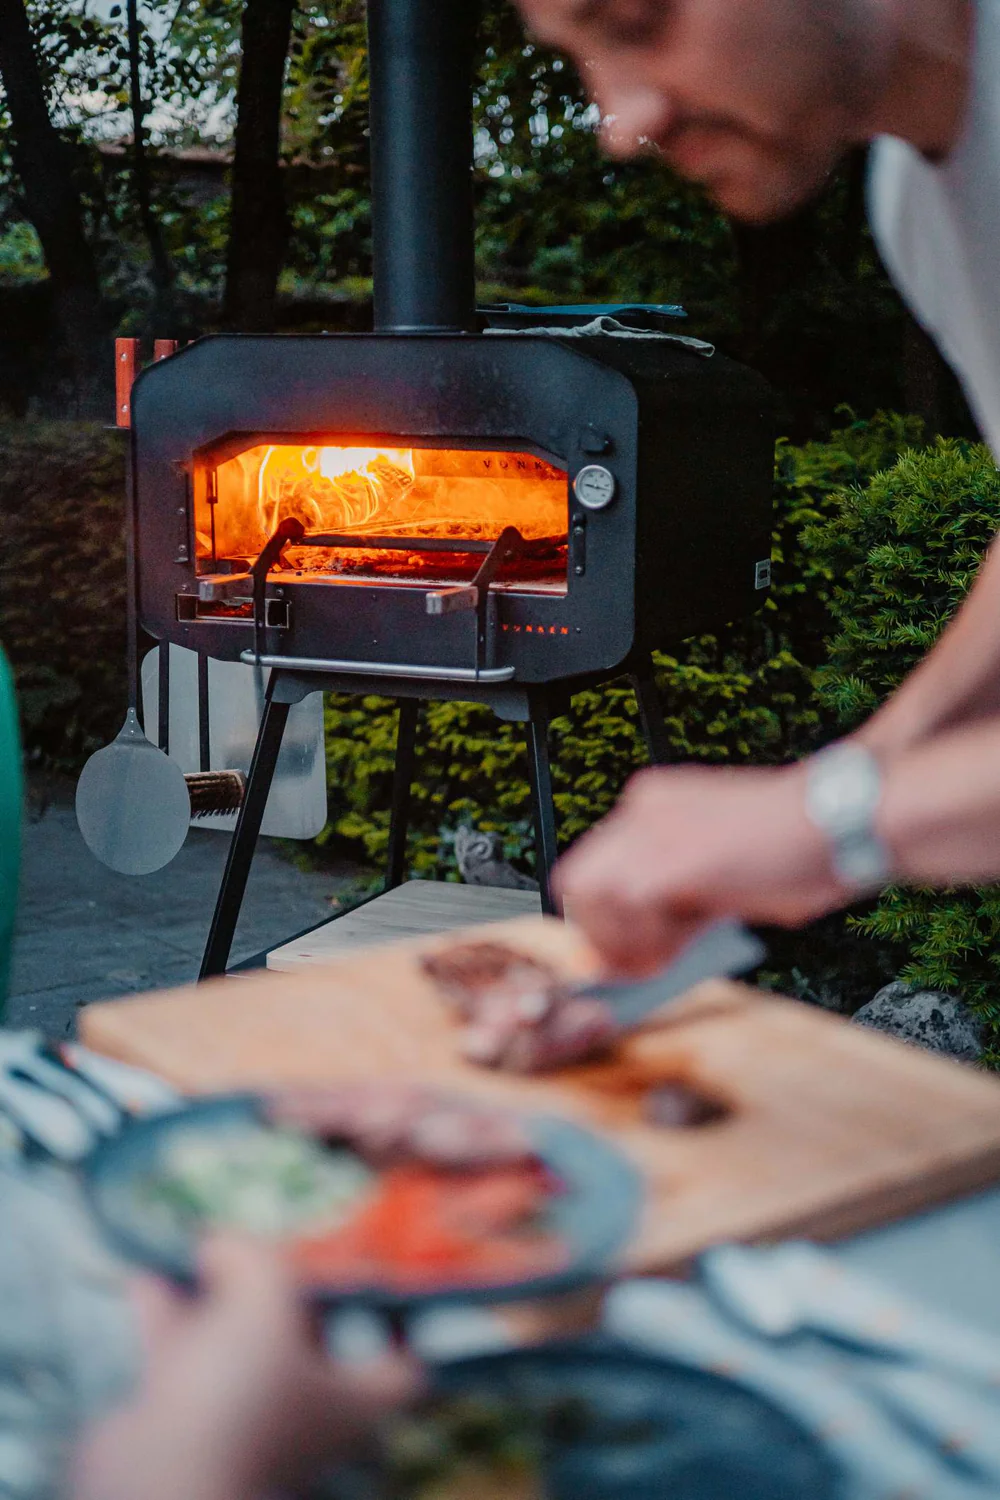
(127, 368)
(126, 360)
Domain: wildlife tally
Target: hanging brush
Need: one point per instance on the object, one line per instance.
(214, 792)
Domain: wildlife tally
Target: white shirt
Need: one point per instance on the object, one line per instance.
(937, 227)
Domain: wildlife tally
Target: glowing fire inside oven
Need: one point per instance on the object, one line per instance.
(361, 492)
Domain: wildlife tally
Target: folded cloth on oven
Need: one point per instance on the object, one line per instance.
(610, 327)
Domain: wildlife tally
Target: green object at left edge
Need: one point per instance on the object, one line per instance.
(10, 821)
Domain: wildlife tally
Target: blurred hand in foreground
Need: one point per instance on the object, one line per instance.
(687, 846)
(238, 1394)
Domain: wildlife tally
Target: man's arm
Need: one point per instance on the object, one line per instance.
(940, 809)
(690, 845)
(958, 682)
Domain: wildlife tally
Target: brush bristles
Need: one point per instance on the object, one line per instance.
(214, 792)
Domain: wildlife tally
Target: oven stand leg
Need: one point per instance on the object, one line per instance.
(402, 785)
(536, 733)
(163, 699)
(244, 840)
(654, 729)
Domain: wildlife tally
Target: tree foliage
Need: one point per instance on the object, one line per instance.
(806, 302)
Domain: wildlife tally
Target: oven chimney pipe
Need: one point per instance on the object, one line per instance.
(421, 55)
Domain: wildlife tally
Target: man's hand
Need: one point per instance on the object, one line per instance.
(238, 1394)
(689, 845)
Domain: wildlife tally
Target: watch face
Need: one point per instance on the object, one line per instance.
(843, 787)
(836, 795)
(594, 487)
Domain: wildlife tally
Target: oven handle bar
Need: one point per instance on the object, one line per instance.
(380, 668)
(476, 596)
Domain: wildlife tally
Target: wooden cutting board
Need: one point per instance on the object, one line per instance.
(831, 1128)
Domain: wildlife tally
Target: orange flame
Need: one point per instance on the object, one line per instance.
(331, 489)
(364, 491)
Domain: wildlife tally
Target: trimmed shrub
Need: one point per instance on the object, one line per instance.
(904, 552)
(62, 585)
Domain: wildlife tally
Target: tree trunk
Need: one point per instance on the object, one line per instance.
(163, 279)
(258, 227)
(43, 163)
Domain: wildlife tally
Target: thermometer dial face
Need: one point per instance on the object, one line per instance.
(594, 487)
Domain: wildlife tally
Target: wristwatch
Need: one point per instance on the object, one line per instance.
(843, 788)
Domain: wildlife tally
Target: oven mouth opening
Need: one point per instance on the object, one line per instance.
(383, 515)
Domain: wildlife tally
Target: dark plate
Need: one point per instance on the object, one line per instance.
(593, 1216)
(659, 1428)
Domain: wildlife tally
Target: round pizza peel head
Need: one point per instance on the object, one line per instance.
(132, 803)
(133, 806)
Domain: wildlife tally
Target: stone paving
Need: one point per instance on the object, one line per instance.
(85, 933)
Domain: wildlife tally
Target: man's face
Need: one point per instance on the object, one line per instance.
(755, 99)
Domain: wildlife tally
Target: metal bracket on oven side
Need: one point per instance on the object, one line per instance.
(183, 552)
(509, 545)
(249, 582)
(213, 588)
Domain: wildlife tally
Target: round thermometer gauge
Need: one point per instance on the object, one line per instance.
(594, 486)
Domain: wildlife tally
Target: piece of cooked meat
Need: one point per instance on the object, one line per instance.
(518, 1014)
(453, 1135)
(395, 1122)
(570, 1031)
(467, 972)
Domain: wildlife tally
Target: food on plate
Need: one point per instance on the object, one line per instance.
(390, 1122)
(476, 1447)
(425, 1224)
(253, 1177)
(362, 1186)
(595, 1421)
(515, 1011)
(488, 1445)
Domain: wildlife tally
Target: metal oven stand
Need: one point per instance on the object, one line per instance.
(532, 706)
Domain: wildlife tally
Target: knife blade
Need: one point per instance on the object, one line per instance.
(722, 951)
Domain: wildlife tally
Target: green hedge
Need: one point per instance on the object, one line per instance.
(904, 552)
(62, 585)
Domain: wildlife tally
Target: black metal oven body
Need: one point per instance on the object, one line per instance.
(686, 440)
